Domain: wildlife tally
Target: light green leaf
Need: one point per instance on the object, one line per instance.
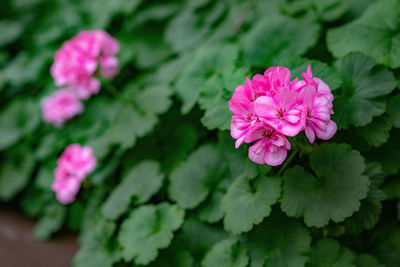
(325, 10)
(333, 193)
(363, 81)
(215, 95)
(10, 31)
(211, 211)
(376, 33)
(279, 242)
(51, 221)
(225, 254)
(141, 109)
(15, 171)
(140, 183)
(275, 37)
(206, 60)
(18, 119)
(249, 201)
(148, 229)
(328, 252)
(193, 179)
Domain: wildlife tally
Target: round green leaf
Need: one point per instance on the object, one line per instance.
(192, 180)
(333, 193)
(248, 202)
(376, 33)
(140, 183)
(148, 229)
(279, 241)
(328, 252)
(226, 253)
(363, 81)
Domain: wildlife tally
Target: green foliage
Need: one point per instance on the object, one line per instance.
(140, 183)
(375, 33)
(333, 193)
(169, 188)
(148, 229)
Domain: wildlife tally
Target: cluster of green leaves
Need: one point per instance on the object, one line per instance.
(169, 188)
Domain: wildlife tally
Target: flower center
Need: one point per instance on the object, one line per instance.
(281, 114)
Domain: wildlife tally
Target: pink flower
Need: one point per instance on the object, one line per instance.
(271, 148)
(73, 166)
(242, 106)
(318, 99)
(80, 58)
(60, 107)
(284, 111)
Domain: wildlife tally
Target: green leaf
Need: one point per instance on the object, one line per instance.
(367, 260)
(210, 211)
(51, 221)
(333, 193)
(15, 171)
(363, 81)
(215, 95)
(95, 249)
(18, 119)
(148, 229)
(388, 154)
(328, 252)
(393, 109)
(368, 214)
(199, 237)
(193, 179)
(249, 201)
(10, 31)
(175, 255)
(275, 37)
(225, 254)
(206, 60)
(140, 183)
(45, 176)
(141, 110)
(279, 241)
(376, 33)
(325, 10)
(377, 132)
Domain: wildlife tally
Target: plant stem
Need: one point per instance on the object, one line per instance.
(286, 163)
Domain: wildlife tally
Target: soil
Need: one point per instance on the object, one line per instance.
(18, 248)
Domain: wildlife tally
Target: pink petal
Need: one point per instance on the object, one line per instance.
(310, 134)
(328, 133)
(257, 151)
(275, 158)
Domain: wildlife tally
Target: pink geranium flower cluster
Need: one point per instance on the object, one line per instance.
(77, 64)
(73, 166)
(270, 107)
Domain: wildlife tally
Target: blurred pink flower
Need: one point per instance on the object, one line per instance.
(73, 166)
(79, 59)
(61, 106)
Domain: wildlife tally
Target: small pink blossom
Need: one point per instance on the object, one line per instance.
(271, 147)
(318, 101)
(73, 166)
(77, 61)
(60, 107)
